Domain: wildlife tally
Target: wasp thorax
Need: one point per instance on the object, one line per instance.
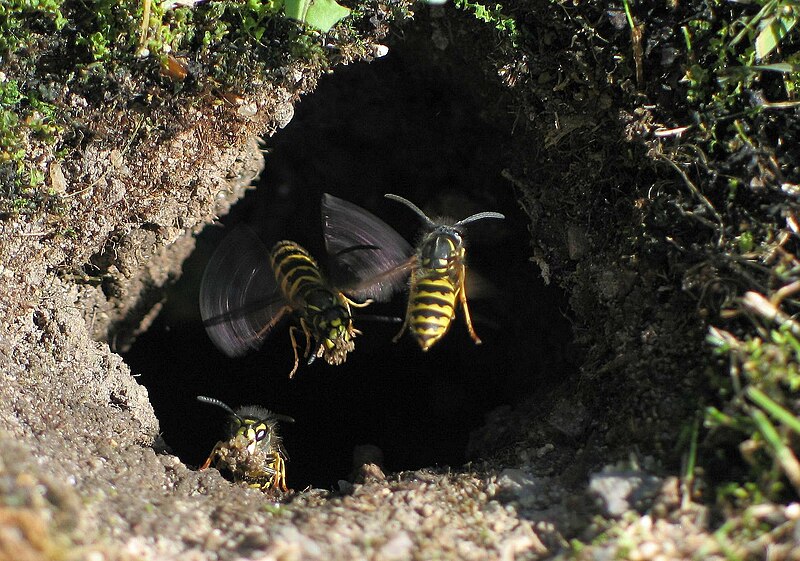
(440, 248)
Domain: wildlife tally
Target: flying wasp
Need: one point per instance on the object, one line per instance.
(253, 452)
(438, 276)
(247, 289)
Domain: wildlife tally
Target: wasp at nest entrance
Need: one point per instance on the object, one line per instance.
(253, 452)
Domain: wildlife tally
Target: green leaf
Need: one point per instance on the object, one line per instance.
(774, 30)
(296, 9)
(775, 410)
(321, 14)
(784, 67)
(324, 14)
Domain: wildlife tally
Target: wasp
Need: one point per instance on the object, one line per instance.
(438, 277)
(247, 289)
(253, 452)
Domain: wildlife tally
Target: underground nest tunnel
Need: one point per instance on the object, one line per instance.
(389, 126)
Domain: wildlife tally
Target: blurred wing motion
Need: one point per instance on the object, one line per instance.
(372, 259)
(240, 301)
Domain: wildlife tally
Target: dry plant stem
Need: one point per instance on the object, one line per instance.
(784, 292)
(693, 188)
(759, 305)
(145, 24)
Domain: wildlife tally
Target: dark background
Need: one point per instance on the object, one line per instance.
(390, 126)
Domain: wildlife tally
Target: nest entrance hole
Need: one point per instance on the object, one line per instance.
(424, 132)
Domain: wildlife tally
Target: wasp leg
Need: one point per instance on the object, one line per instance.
(280, 477)
(278, 316)
(411, 291)
(363, 304)
(462, 293)
(274, 482)
(292, 329)
(307, 333)
(347, 303)
(210, 458)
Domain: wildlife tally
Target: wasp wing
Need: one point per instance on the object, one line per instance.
(371, 258)
(240, 301)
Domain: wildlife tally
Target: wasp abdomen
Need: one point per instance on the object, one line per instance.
(296, 271)
(432, 310)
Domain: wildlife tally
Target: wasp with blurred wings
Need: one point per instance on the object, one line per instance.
(247, 289)
(437, 267)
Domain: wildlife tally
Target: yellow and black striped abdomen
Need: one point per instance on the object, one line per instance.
(432, 307)
(322, 312)
(296, 271)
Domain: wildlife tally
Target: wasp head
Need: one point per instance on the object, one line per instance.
(256, 426)
(440, 248)
(335, 327)
(444, 241)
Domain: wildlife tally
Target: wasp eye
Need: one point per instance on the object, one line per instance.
(261, 434)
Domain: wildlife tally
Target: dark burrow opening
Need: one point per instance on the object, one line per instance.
(423, 131)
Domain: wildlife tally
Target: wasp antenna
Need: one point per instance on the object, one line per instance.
(479, 216)
(412, 206)
(218, 403)
(283, 418)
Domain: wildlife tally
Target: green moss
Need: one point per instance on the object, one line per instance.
(25, 119)
(738, 80)
(102, 53)
(15, 17)
(275, 509)
(493, 14)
